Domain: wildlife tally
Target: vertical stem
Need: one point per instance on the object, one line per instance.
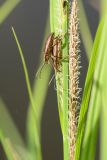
(65, 111)
(65, 95)
(59, 25)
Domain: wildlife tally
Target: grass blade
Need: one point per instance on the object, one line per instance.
(14, 151)
(7, 8)
(87, 90)
(25, 71)
(37, 139)
(10, 138)
(103, 129)
(39, 93)
(91, 130)
(9, 130)
(8, 148)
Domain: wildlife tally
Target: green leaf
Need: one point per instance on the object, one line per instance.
(7, 126)
(34, 111)
(6, 8)
(40, 89)
(13, 151)
(91, 130)
(8, 148)
(87, 89)
(10, 138)
(25, 72)
(103, 129)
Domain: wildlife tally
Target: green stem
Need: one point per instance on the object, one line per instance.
(59, 25)
(65, 94)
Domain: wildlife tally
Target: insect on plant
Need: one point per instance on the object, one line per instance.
(52, 52)
(47, 51)
(48, 48)
(57, 53)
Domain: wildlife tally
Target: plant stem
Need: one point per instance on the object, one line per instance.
(59, 25)
(65, 95)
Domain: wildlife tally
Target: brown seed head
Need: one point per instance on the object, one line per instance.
(74, 76)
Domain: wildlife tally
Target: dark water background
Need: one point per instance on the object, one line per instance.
(29, 20)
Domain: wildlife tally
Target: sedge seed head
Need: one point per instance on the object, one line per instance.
(74, 90)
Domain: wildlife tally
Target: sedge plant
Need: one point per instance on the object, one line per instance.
(79, 122)
(84, 130)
